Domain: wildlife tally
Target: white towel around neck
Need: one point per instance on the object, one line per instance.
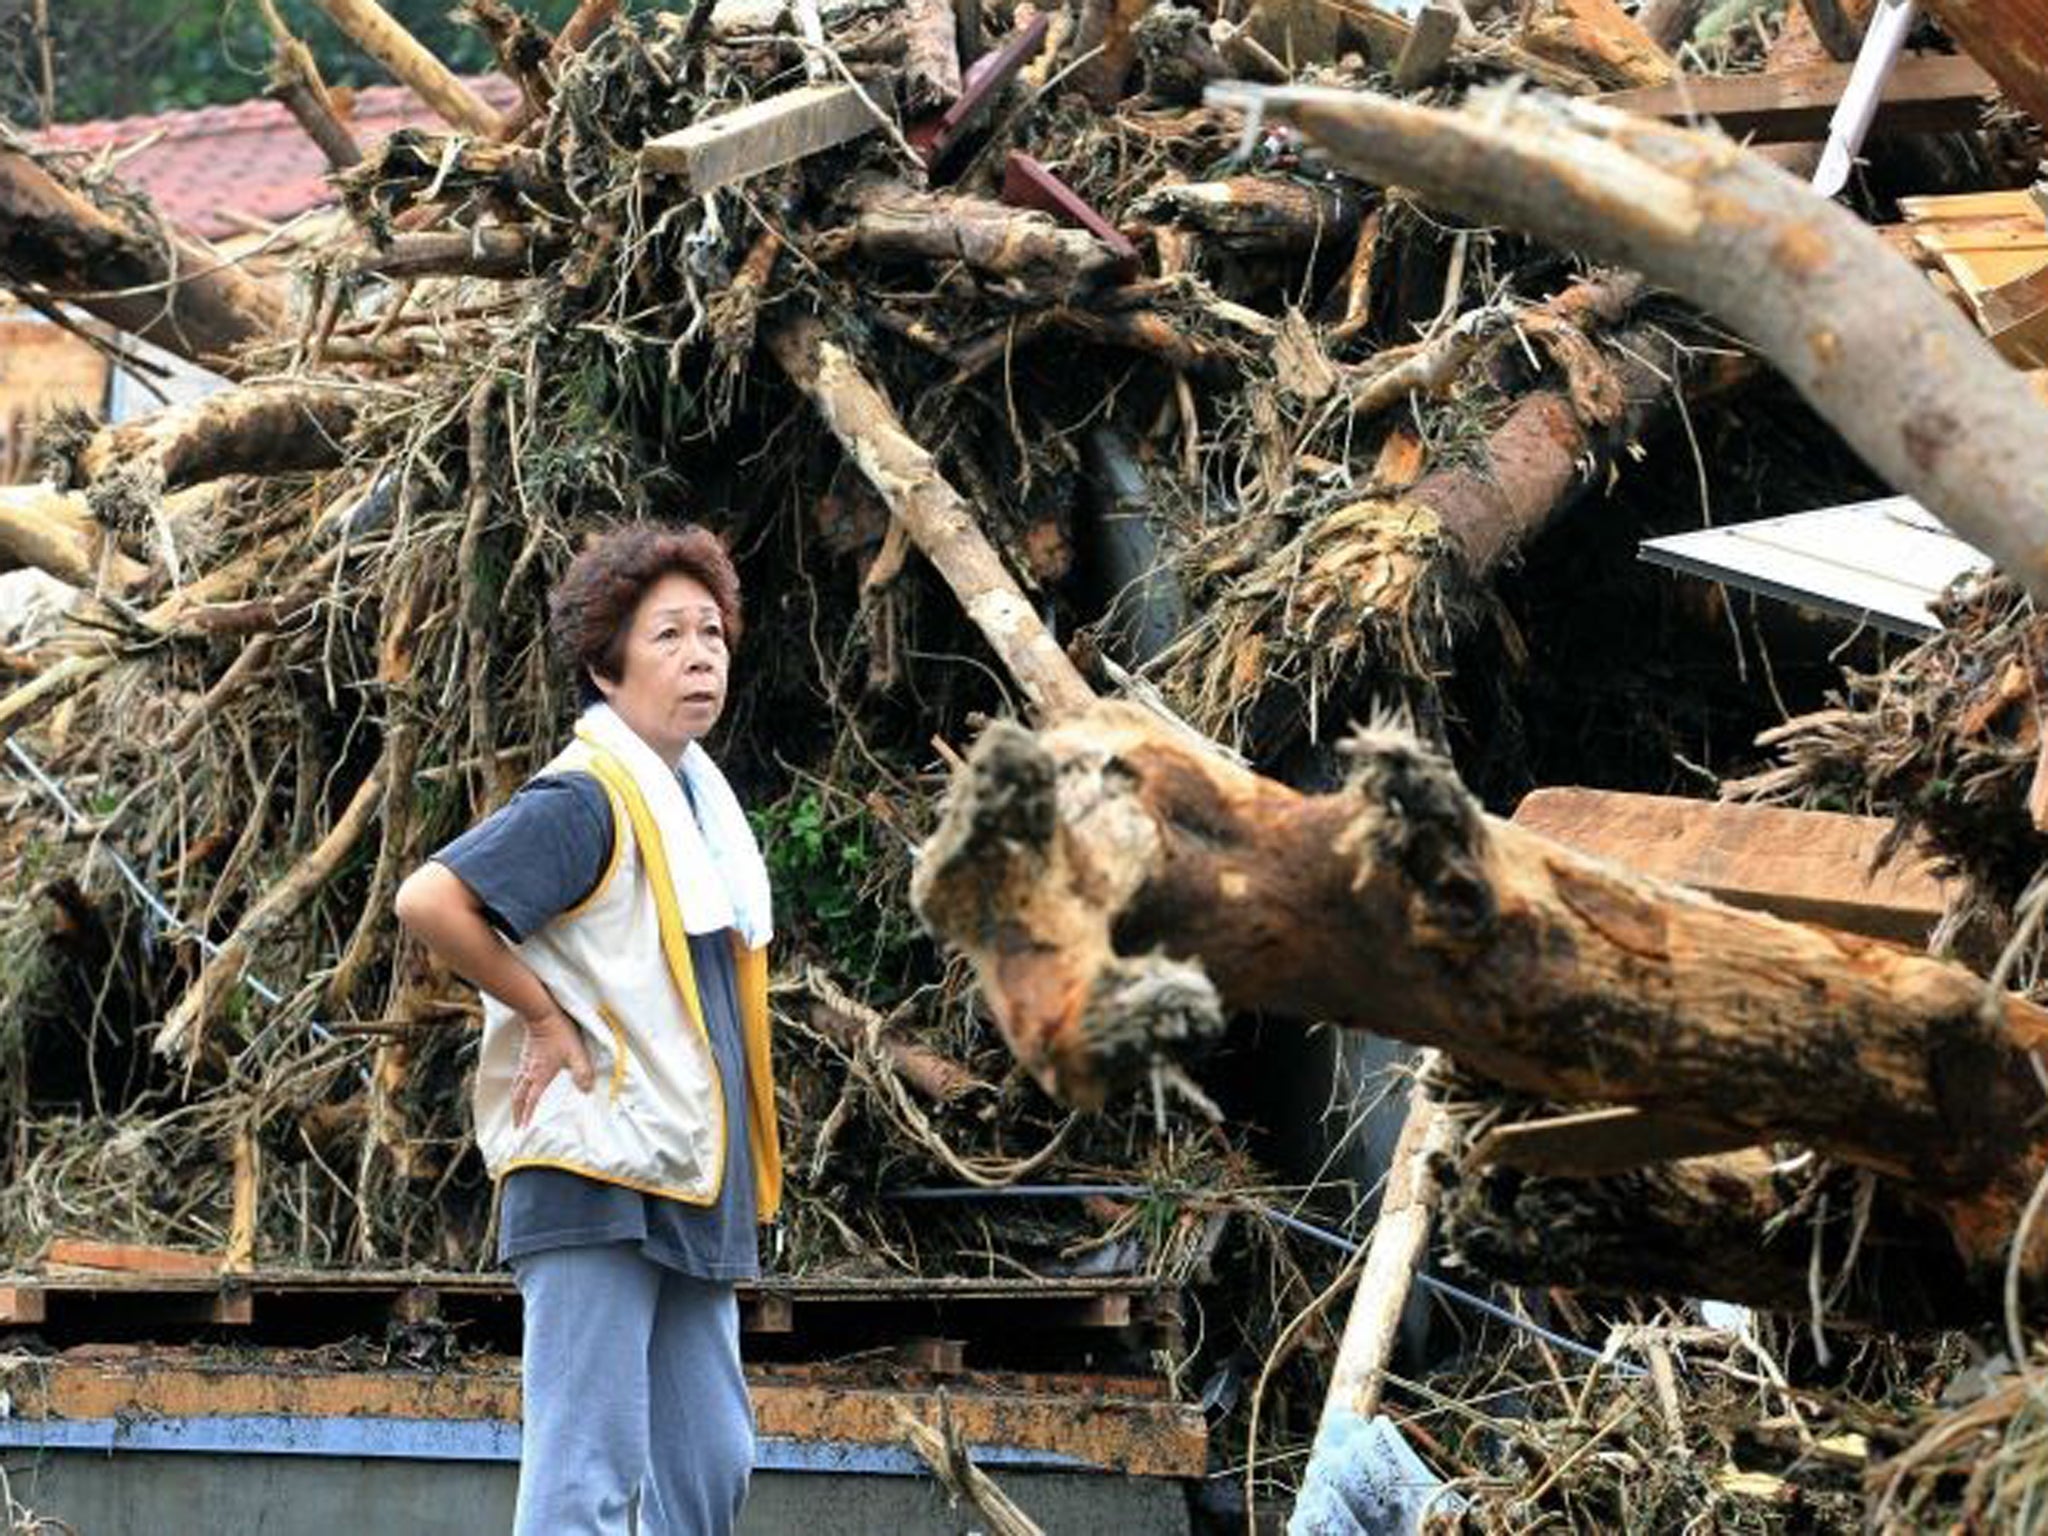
(714, 864)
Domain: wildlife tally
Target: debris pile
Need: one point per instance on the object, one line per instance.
(1021, 369)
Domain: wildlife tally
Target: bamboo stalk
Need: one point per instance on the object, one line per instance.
(373, 29)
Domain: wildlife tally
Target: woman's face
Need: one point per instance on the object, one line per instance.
(671, 686)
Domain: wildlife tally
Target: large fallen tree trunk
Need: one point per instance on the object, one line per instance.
(152, 283)
(1890, 363)
(1084, 871)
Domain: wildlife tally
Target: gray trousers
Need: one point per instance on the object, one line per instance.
(632, 1385)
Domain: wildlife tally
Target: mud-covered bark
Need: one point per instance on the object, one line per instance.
(261, 430)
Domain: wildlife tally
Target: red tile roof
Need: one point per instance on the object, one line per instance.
(208, 164)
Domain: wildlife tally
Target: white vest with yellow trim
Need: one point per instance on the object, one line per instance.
(619, 965)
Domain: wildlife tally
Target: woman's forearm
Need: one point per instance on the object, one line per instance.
(438, 909)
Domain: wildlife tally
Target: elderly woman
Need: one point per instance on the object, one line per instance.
(615, 916)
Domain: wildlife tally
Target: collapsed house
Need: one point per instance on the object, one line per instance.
(1032, 376)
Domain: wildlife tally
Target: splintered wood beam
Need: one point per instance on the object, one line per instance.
(759, 137)
(371, 28)
(1120, 890)
(1925, 93)
(1810, 866)
(1599, 37)
(938, 519)
(1906, 381)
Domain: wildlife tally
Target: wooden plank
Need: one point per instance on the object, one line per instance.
(759, 137)
(1980, 235)
(1599, 1142)
(133, 1258)
(21, 1304)
(2015, 316)
(1980, 272)
(1811, 866)
(1941, 207)
(1926, 93)
(1428, 48)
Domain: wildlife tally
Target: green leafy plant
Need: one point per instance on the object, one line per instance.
(832, 887)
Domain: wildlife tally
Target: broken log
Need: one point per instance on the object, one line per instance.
(1021, 247)
(1259, 215)
(1118, 887)
(496, 251)
(295, 83)
(1599, 38)
(939, 521)
(1555, 443)
(1893, 367)
(260, 430)
(938, 1077)
(150, 282)
(53, 531)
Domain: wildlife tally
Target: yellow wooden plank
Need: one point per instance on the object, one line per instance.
(1972, 205)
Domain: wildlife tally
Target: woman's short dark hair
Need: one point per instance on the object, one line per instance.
(592, 605)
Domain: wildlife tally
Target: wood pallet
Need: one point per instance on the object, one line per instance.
(940, 1325)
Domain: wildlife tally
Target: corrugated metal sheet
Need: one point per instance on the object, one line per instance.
(1881, 562)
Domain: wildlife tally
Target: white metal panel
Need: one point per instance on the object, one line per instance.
(1881, 561)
